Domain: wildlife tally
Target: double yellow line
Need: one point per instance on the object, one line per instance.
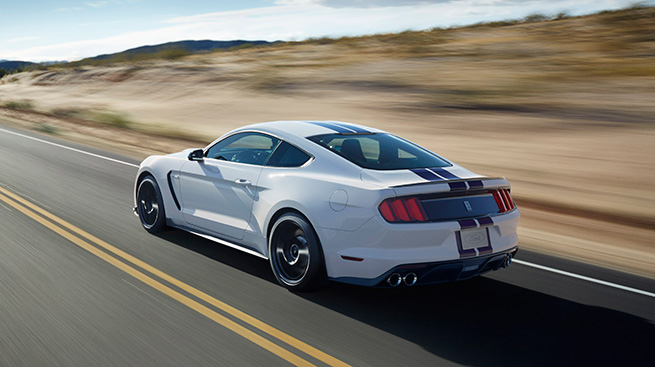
(131, 265)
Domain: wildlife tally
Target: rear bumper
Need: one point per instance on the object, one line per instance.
(439, 272)
(378, 248)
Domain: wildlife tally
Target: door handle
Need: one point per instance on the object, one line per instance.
(243, 182)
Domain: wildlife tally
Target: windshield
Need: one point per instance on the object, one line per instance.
(380, 151)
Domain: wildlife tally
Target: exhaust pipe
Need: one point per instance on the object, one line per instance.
(410, 279)
(394, 279)
(507, 261)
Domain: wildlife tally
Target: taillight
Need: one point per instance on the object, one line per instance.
(403, 210)
(503, 200)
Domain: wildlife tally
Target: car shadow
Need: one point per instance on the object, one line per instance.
(242, 261)
(479, 322)
(485, 322)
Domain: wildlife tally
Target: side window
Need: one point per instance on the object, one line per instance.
(370, 149)
(250, 148)
(405, 155)
(286, 155)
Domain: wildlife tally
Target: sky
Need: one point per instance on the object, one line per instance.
(67, 30)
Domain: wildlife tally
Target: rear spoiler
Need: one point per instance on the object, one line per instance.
(447, 186)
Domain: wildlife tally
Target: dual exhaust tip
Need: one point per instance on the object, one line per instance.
(396, 279)
(507, 261)
(410, 279)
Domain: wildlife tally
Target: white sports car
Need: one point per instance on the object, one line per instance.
(325, 200)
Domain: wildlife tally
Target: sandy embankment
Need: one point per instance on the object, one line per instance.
(577, 146)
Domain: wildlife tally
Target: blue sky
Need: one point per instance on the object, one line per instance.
(41, 30)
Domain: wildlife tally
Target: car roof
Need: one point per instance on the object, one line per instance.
(310, 128)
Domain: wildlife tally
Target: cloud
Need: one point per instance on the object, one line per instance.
(377, 3)
(22, 39)
(362, 3)
(98, 4)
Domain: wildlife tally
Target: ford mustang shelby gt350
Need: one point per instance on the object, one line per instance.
(326, 200)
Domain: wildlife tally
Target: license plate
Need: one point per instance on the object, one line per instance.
(474, 238)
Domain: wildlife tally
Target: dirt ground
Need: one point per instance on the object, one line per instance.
(564, 109)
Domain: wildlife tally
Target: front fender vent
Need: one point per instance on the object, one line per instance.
(170, 187)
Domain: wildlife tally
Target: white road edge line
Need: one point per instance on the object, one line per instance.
(582, 277)
(521, 262)
(69, 148)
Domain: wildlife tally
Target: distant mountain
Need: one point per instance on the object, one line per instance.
(13, 65)
(189, 46)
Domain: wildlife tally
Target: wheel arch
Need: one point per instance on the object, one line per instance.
(138, 180)
(279, 213)
(143, 174)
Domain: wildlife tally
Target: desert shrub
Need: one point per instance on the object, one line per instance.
(172, 54)
(240, 47)
(562, 15)
(45, 128)
(19, 105)
(535, 18)
(320, 41)
(115, 119)
(67, 113)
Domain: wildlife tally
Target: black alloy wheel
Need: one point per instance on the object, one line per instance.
(295, 254)
(150, 206)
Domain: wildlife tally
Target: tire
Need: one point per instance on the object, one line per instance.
(150, 205)
(295, 254)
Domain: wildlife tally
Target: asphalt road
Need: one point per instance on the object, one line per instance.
(64, 304)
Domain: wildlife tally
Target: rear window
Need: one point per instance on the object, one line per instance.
(379, 151)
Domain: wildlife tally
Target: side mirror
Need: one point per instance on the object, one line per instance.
(196, 155)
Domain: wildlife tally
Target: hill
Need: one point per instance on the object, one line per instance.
(191, 47)
(13, 65)
(169, 50)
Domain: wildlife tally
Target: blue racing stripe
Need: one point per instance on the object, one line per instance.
(485, 221)
(442, 172)
(463, 253)
(468, 223)
(487, 249)
(354, 128)
(424, 173)
(457, 186)
(333, 127)
(476, 184)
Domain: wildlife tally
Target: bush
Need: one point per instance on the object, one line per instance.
(45, 128)
(562, 15)
(240, 47)
(535, 18)
(172, 54)
(112, 118)
(19, 105)
(320, 41)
